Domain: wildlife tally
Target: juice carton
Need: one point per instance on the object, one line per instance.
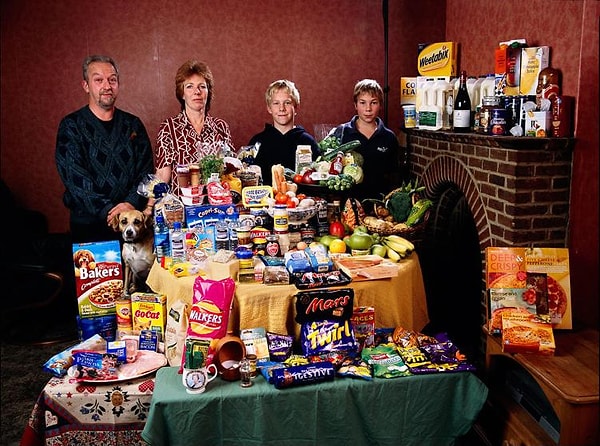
(533, 60)
(507, 67)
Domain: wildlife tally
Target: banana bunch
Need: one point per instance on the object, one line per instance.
(397, 247)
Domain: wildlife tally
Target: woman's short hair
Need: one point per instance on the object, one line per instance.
(283, 84)
(187, 70)
(97, 58)
(368, 86)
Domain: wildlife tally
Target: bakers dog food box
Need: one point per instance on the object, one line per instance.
(98, 277)
(149, 312)
(530, 280)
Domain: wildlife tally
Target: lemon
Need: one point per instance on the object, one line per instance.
(337, 246)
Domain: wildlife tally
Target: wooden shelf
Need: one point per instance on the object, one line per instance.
(569, 380)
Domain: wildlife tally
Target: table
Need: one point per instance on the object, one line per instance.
(415, 410)
(68, 412)
(398, 301)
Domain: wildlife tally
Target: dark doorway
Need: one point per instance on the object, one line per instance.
(451, 261)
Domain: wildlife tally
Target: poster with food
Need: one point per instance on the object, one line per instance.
(510, 274)
(98, 277)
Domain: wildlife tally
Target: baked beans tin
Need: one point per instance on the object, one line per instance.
(98, 277)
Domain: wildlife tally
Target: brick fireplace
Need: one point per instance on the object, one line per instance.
(487, 191)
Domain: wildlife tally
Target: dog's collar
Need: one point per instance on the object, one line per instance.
(128, 241)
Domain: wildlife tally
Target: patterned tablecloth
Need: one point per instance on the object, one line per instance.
(70, 412)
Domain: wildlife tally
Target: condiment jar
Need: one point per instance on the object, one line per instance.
(485, 114)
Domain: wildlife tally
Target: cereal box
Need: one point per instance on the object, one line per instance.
(149, 312)
(98, 277)
(408, 90)
(437, 59)
(509, 273)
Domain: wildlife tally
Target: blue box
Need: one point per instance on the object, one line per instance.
(205, 215)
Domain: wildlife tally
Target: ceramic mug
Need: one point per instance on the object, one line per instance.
(196, 380)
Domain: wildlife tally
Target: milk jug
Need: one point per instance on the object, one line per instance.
(477, 89)
(430, 114)
(487, 87)
(444, 94)
(472, 94)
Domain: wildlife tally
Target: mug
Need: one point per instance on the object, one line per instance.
(196, 380)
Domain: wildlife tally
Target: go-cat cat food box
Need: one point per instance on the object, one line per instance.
(149, 312)
(98, 277)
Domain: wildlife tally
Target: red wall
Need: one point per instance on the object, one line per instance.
(324, 46)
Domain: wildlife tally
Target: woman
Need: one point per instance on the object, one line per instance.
(378, 144)
(193, 133)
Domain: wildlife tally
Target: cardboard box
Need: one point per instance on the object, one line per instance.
(408, 90)
(149, 312)
(507, 67)
(508, 268)
(538, 124)
(98, 277)
(533, 60)
(522, 333)
(205, 215)
(437, 59)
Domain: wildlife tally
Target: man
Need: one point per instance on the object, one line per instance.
(102, 154)
(279, 141)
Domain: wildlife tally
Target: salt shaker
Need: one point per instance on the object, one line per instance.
(245, 373)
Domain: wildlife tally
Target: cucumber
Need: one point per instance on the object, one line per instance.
(346, 147)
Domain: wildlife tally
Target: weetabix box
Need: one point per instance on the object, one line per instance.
(437, 59)
(98, 277)
(149, 312)
(509, 269)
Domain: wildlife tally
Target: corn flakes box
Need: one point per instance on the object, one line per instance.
(98, 277)
(149, 312)
(528, 279)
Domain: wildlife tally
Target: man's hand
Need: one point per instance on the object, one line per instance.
(114, 212)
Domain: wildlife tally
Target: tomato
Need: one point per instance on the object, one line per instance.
(337, 229)
(297, 178)
(291, 202)
(300, 196)
(281, 198)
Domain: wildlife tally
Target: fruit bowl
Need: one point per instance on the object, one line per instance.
(297, 215)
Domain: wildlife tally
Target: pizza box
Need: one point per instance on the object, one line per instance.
(524, 333)
(508, 269)
(367, 267)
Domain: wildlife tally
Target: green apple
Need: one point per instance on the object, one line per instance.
(378, 250)
(360, 240)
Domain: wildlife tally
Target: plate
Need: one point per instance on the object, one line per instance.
(161, 361)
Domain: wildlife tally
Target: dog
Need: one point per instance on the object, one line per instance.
(137, 231)
(83, 258)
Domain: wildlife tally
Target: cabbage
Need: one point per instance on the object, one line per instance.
(355, 171)
(353, 157)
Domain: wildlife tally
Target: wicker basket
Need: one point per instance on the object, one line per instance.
(412, 233)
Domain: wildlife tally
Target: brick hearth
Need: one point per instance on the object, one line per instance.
(517, 188)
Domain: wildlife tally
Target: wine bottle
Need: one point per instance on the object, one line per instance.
(462, 106)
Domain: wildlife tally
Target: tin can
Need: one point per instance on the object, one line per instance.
(485, 114)
(498, 121)
(123, 309)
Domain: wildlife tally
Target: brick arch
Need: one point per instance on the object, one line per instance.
(445, 169)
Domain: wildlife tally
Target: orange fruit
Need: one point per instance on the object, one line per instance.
(337, 246)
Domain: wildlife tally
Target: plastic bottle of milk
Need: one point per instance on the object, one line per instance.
(472, 95)
(487, 87)
(430, 115)
(477, 89)
(424, 84)
(445, 101)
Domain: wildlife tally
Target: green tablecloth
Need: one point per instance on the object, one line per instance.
(415, 410)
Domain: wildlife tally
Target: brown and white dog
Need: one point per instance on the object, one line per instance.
(136, 229)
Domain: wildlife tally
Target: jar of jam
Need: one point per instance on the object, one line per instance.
(489, 103)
